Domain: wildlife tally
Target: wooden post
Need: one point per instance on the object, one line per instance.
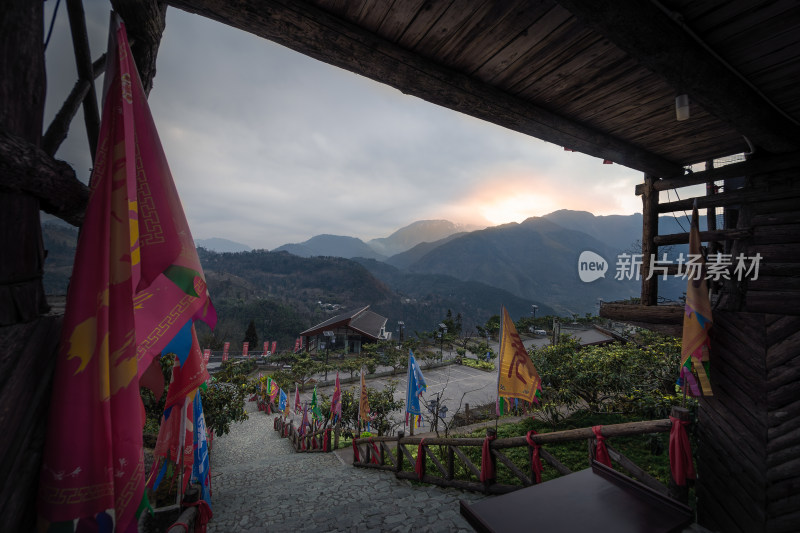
(451, 464)
(466, 414)
(678, 492)
(400, 435)
(649, 232)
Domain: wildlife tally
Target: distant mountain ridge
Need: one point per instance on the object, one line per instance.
(331, 246)
(219, 245)
(421, 231)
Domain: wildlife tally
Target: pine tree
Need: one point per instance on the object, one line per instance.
(250, 335)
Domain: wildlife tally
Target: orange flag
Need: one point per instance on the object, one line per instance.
(697, 321)
(517, 377)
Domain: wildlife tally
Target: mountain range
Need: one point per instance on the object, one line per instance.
(415, 275)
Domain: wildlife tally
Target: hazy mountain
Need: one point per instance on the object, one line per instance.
(617, 231)
(331, 246)
(536, 260)
(219, 245)
(472, 299)
(405, 259)
(416, 233)
(621, 232)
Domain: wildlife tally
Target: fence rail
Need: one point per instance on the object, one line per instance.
(315, 441)
(453, 467)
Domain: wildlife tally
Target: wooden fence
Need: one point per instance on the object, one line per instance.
(392, 454)
(315, 441)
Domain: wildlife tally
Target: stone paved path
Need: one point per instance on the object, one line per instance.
(261, 485)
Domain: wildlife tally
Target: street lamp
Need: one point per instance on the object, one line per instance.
(534, 308)
(441, 334)
(331, 340)
(401, 326)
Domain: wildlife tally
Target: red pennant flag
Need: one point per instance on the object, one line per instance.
(136, 281)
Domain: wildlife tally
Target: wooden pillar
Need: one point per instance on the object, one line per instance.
(748, 432)
(28, 341)
(649, 232)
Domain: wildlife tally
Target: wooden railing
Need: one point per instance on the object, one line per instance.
(454, 468)
(315, 441)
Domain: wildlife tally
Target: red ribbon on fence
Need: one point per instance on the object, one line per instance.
(419, 467)
(601, 453)
(375, 453)
(356, 458)
(204, 514)
(313, 442)
(487, 467)
(536, 461)
(680, 453)
(325, 439)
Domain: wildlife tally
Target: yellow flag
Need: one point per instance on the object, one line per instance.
(518, 377)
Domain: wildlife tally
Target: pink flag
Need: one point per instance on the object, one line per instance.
(336, 400)
(225, 348)
(245, 347)
(297, 344)
(136, 281)
(266, 347)
(297, 407)
(274, 346)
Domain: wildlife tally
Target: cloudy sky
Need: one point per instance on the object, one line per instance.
(268, 146)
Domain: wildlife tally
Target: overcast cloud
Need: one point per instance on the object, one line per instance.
(268, 146)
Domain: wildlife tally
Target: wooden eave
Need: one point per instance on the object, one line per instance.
(598, 77)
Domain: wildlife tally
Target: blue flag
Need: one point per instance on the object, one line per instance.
(201, 469)
(282, 401)
(416, 385)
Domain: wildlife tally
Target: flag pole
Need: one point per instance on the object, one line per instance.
(499, 361)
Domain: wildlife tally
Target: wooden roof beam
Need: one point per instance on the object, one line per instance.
(323, 36)
(144, 21)
(644, 32)
(29, 169)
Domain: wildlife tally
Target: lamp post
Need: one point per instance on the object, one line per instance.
(441, 334)
(401, 326)
(331, 339)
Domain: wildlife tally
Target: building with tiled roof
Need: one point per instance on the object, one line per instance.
(350, 329)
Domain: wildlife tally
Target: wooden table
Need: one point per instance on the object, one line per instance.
(594, 500)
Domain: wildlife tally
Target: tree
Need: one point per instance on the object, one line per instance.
(250, 335)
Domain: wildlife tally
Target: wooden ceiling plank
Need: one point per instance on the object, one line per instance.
(583, 95)
(372, 16)
(532, 37)
(486, 41)
(777, 16)
(422, 23)
(490, 28)
(641, 30)
(581, 60)
(354, 9)
(318, 34)
(452, 20)
(397, 19)
(722, 15)
(538, 57)
(485, 16)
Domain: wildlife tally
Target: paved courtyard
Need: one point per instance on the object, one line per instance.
(260, 485)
